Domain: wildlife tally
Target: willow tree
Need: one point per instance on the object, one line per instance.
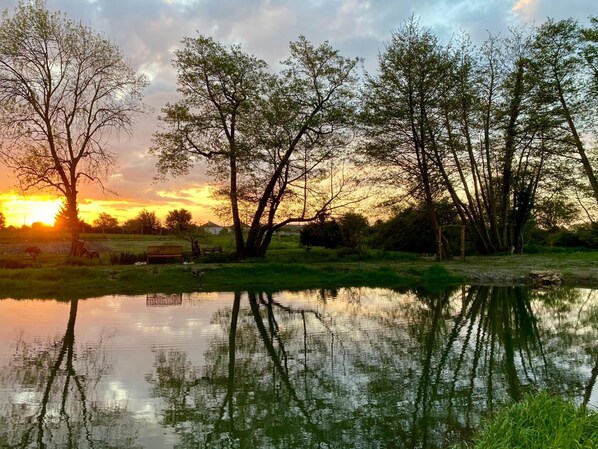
(65, 90)
(269, 139)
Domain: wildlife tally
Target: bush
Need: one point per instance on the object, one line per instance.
(321, 233)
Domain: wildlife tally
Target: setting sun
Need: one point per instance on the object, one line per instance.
(23, 210)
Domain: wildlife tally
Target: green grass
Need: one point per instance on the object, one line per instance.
(287, 266)
(540, 422)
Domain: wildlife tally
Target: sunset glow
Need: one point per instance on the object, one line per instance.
(22, 210)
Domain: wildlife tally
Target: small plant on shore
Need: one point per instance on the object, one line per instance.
(541, 422)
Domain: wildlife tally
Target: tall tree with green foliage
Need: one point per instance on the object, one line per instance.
(565, 61)
(270, 139)
(65, 90)
(453, 122)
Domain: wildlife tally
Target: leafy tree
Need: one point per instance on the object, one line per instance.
(454, 122)
(354, 228)
(65, 90)
(2, 221)
(178, 220)
(147, 222)
(105, 221)
(270, 139)
(409, 229)
(555, 212)
(564, 61)
(63, 220)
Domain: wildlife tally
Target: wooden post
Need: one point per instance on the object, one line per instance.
(462, 243)
(439, 243)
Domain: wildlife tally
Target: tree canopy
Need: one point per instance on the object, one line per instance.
(270, 139)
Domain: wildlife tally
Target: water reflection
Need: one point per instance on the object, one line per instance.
(53, 401)
(415, 374)
(318, 369)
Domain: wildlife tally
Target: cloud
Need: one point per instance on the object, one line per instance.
(148, 31)
(525, 9)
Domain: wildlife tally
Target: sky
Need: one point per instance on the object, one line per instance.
(148, 31)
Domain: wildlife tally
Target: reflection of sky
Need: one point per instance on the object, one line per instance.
(129, 332)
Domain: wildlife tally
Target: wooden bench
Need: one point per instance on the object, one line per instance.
(164, 252)
(210, 250)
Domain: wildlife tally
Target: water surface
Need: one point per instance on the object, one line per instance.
(351, 368)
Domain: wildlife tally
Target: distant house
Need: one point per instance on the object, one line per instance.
(244, 227)
(212, 228)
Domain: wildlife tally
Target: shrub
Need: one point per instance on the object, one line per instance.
(321, 233)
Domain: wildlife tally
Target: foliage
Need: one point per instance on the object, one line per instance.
(491, 129)
(564, 65)
(354, 228)
(326, 233)
(540, 422)
(2, 221)
(105, 222)
(178, 220)
(65, 90)
(145, 222)
(410, 229)
(270, 139)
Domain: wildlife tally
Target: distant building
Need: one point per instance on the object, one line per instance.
(212, 228)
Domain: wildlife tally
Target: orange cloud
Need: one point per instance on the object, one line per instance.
(525, 9)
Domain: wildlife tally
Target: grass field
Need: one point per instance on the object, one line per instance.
(287, 266)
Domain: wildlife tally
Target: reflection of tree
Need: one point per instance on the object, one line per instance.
(418, 372)
(60, 408)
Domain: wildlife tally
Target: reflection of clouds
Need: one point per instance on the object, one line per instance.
(116, 394)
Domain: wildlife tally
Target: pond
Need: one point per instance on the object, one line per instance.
(350, 368)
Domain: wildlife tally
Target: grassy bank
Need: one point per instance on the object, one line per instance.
(65, 282)
(540, 422)
(287, 267)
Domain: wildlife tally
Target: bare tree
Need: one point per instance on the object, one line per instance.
(65, 90)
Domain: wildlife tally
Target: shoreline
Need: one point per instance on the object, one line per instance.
(63, 281)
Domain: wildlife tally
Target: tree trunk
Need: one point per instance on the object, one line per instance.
(234, 201)
(73, 223)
